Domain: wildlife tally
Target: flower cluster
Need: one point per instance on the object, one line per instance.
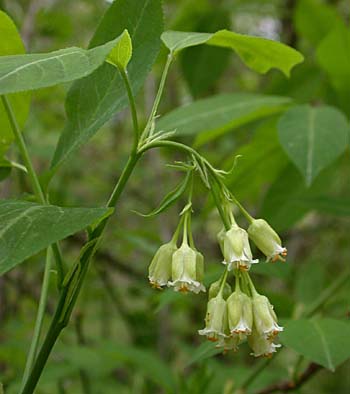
(181, 268)
(232, 317)
(243, 315)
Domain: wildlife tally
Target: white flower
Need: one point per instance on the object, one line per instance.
(260, 345)
(187, 270)
(159, 271)
(265, 319)
(215, 320)
(240, 314)
(236, 249)
(267, 240)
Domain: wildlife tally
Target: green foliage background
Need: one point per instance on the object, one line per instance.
(125, 337)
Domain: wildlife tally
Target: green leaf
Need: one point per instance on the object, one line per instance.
(27, 228)
(20, 102)
(283, 203)
(331, 205)
(313, 19)
(94, 100)
(260, 54)
(313, 137)
(257, 168)
(170, 198)
(203, 65)
(323, 341)
(334, 57)
(217, 115)
(121, 54)
(40, 70)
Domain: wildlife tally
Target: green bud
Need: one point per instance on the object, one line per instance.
(186, 268)
(265, 319)
(215, 287)
(159, 271)
(267, 240)
(215, 319)
(240, 314)
(260, 345)
(236, 249)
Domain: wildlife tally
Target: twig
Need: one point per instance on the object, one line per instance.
(290, 385)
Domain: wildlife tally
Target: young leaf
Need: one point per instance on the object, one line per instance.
(212, 117)
(94, 100)
(39, 70)
(313, 137)
(260, 54)
(121, 54)
(27, 228)
(170, 198)
(323, 341)
(20, 102)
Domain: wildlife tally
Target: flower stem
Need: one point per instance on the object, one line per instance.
(148, 128)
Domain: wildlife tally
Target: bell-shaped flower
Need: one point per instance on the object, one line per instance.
(267, 240)
(240, 314)
(265, 319)
(159, 271)
(236, 249)
(215, 319)
(261, 346)
(187, 270)
(215, 288)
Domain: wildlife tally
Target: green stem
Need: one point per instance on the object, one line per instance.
(191, 151)
(40, 317)
(23, 149)
(72, 285)
(133, 111)
(147, 131)
(59, 264)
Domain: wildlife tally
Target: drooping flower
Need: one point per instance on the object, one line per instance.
(187, 270)
(267, 240)
(265, 319)
(240, 314)
(159, 271)
(216, 320)
(260, 345)
(236, 249)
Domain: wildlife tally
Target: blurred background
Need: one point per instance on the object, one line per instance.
(124, 336)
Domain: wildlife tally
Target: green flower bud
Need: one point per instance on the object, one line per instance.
(260, 345)
(236, 249)
(265, 319)
(215, 319)
(159, 271)
(267, 240)
(240, 314)
(187, 268)
(215, 287)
